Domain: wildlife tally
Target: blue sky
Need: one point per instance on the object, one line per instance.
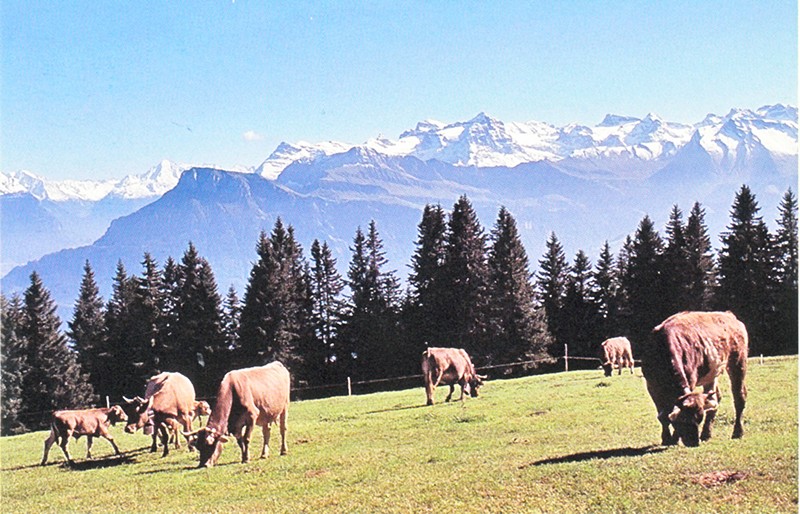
(105, 89)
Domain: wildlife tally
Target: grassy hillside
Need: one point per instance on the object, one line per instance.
(575, 442)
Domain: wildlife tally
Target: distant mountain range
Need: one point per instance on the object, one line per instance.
(588, 184)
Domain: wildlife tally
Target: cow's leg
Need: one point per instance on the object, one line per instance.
(282, 425)
(265, 431)
(244, 441)
(736, 372)
(430, 388)
(64, 441)
(89, 440)
(163, 431)
(667, 438)
(711, 414)
(110, 439)
(450, 394)
(463, 384)
(186, 421)
(47, 444)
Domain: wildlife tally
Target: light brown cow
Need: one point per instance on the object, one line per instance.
(449, 366)
(75, 423)
(246, 397)
(167, 396)
(689, 350)
(616, 353)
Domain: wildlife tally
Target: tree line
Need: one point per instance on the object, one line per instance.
(466, 288)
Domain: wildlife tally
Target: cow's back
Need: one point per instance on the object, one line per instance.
(266, 388)
(172, 393)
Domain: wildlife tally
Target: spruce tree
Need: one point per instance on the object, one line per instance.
(605, 294)
(466, 280)
(87, 330)
(231, 318)
(54, 380)
(786, 323)
(701, 269)
(746, 273)
(327, 315)
(518, 331)
(169, 292)
(551, 283)
(146, 310)
(371, 334)
(644, 284)
(199, 340)
(13, 367)
(116, 376)
(676, 265)
(579, 312)
(426, 310)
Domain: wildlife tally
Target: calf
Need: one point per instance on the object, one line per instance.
(75, 423)
(689, 350)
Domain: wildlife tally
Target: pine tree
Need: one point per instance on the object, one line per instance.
(676, 264)
(701, 270)
(579, 312)
(551, 282)
(87, 329)
(13, 367)
(746, 273)
(605, 294)
(198, 331)
(426, 310)
(54, 380)
(169, 292)
(327, 314)
(231, 319)
(518, 331)
(786, 325)
(466, 280)
(644, 284)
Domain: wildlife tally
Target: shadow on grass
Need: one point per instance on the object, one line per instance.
(127, 457)
(598, 454)
(393, 409)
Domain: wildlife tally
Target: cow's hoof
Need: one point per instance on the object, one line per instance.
(429, 402)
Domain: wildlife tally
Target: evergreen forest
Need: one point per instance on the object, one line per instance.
(468, 286)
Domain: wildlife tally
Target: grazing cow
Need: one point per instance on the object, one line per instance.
(168, 396)
(449, 366)
(246, 397)
(689, 350)
(616, 353)
(75, 423)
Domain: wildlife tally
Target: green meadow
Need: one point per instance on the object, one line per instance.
(566, 442)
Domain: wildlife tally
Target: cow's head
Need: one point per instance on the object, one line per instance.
(202, 408)
(208, 442)
(474, 383)
(116, 414)
(688, 413)
(138, 412)
(608, 368)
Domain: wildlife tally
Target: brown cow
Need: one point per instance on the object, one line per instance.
(201, 408)
(168, 396)
(246, 397)
(75, 423)
(616, 353)
(449, 366)
(689, 350)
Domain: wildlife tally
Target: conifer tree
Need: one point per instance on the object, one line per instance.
(116, 376)
(198, 331)
(551, 282)
(54, 379)
(786, 323)
(466, 280)
(146, 310)
(676, 265)
(371, 337)
(644, 284)
(426, 310)
(327, 314)
(746, 272)
(13, 367)
(605, 294)
(87, 330)
(701, 270)
(579, 313)
(231, 317)
(169, 292)
(518, 329)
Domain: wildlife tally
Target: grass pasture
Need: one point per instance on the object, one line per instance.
(567, 442)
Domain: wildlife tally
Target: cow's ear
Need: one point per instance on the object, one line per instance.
(224, 439)
(711, 402)
(673, 416)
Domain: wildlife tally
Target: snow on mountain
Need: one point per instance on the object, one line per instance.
(285, 154)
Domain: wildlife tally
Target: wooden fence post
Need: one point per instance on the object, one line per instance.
(566, 357)
(349, 387)
(108, 402)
